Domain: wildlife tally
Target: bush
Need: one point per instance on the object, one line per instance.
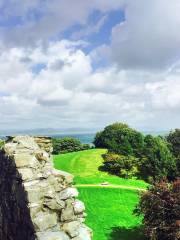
(68, 144)
(123, 166)
(160, 207)
(121, 139)
(1, 143)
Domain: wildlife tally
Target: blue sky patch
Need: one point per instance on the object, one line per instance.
(37, 68)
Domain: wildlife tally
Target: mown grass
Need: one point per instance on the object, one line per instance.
(84, 165)
(110, 211)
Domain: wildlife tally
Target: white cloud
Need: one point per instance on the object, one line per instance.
(54, 84)
(73, 94)
(149, 37)
(41, 20)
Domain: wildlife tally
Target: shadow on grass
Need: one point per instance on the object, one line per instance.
(119, 233)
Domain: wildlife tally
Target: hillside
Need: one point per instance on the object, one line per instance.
(109, 207)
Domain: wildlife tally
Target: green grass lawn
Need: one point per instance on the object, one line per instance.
(110, 211)
(84, 166)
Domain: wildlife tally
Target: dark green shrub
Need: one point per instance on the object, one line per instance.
(123, 166)
(68, 144)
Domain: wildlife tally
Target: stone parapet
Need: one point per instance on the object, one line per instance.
(37, 202)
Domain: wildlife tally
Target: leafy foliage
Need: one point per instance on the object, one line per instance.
(174, 140)
(157, 161)
(121, 139)
(123, 166)
(68, 144)
(174, 143)
(1, 143)
(130, 154)
(160, 207)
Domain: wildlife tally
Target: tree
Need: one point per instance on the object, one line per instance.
(157, 160)
(174, 143)
(160, 207)
(121, 139)
(174, 140)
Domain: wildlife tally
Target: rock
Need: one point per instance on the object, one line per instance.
(10, 148)
(67, 176)
(68, 213)
(36, 198)
(34, 194)
(42, 155)
(71, 228)
(26, 173)
(78, 207)
(26, 142)
(68, 193)
(53, 204)
(44, 221)
(52, 236)
(26, 160)
(85, 233)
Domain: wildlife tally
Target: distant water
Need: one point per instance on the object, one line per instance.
(86, 138)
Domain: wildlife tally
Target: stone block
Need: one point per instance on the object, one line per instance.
(26, 174)
(52, 236)
(44, 221)
(79, 207)
(72, 228)
(68, 193)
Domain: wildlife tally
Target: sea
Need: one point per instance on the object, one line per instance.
(86, 138)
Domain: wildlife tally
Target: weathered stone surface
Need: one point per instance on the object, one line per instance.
(52, 236)
(72, 228)
(85, 233)
(34, 194)
(44, 221)
(26, 173)
(24, 160)
(79, 207)
(26, 142)
(37, 202)
(53, 204)
(68, 214)
(67, 176)
(42, 155)
(68, 193)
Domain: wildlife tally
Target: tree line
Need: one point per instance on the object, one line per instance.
(155, 159)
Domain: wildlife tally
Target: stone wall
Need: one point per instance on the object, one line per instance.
(37, 202)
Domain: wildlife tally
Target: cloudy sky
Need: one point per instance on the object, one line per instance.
(88, 63)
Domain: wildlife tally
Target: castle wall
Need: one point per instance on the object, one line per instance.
(37, 202)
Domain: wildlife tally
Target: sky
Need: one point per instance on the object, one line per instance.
(86, 64)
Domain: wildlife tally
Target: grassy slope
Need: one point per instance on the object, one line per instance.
(110, 213)
(109, 210)
(84, 166)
